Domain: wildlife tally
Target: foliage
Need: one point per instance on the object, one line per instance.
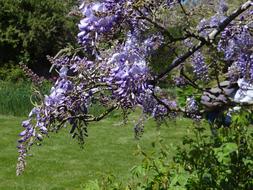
(223, 161)
(12, 73)
(30, 30)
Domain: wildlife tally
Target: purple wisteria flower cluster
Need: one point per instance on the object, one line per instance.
(129, 70)
(107, 19)
(200, 68)
(207, 25)
(118, 39)
(237, 45)
(99, 18)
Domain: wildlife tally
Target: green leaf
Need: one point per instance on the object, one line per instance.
(223, 153)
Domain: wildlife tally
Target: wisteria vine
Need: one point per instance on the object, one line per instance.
(119, 38)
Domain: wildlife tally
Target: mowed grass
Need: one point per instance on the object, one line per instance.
(59, 163)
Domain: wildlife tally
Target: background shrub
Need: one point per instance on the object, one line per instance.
(31, 29)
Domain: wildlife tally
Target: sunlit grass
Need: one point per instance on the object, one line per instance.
(59, 163)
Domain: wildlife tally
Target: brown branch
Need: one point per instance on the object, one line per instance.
(163, 30)
(191, 82)
(101, 116)
(183, 9)
(180, 60)
(88, 117)
(178, 110)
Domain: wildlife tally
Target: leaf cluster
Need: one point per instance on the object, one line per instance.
(30, 30)
(204, 161)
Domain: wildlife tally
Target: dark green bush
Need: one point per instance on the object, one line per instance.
(31, 29)
(12, 73)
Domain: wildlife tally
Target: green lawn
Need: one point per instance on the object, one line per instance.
(59, 163)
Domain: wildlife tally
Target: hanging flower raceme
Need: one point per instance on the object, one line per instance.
(129, 73)
(69, 96)
(192, 108)
(200, 68)
(237, 46)
(159, 110)
(42, 116)
(106, 18)
(100, 19)
(31, 133)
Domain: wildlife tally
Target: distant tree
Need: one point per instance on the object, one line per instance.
(31, 29)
